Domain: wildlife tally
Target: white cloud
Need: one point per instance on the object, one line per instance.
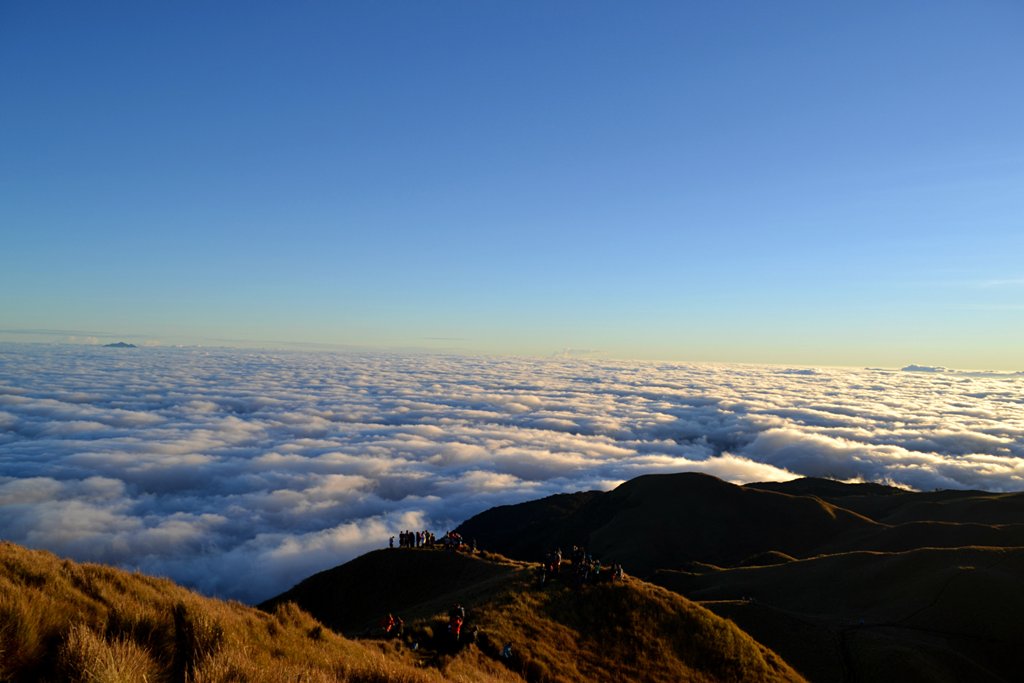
(925, 368)
(242, 472)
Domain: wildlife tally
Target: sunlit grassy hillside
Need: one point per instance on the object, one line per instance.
(65, 621)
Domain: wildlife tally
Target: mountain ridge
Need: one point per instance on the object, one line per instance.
(792, 557)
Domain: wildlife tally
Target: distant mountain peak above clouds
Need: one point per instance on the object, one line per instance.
(120, 345)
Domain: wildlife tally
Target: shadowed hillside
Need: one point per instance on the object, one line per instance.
(665, 521)
(894, 506)
(928, 614)
(845, 581)
(628, 630)
(351, 598)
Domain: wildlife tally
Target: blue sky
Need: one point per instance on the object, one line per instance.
(806, 183)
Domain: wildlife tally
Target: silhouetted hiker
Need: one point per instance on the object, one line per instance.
(453, 541)
(391, 542)
(456, 617)
(551, 563)
(580, 574)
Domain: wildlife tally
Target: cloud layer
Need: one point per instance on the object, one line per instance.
(240, 473)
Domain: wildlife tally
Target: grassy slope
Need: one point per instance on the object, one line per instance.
(630, 631)
(65, 621)
(625, 631)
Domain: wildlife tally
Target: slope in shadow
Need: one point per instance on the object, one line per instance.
(665, 521)
(928, 614)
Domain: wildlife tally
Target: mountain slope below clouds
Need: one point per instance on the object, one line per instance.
(665, 521)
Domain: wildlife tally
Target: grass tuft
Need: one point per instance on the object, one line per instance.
(86, 657)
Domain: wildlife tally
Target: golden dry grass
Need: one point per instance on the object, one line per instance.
(64, 621)
(624, 632)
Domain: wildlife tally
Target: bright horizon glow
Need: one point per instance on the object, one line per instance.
(800, 185)
(43, 338)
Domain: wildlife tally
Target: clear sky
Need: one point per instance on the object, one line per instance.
(791, 182)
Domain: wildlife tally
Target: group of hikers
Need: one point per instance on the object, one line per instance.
(413, 539)
(583, 568)
(425, 539)
(453, 541)
(392, 626)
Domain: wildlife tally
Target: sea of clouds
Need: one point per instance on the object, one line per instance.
(240, 473)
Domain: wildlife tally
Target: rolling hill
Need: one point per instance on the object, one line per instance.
(629, 630)
(845, 581)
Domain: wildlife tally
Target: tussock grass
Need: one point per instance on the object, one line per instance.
(622, 631)
(88, 657)
(61, 620)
